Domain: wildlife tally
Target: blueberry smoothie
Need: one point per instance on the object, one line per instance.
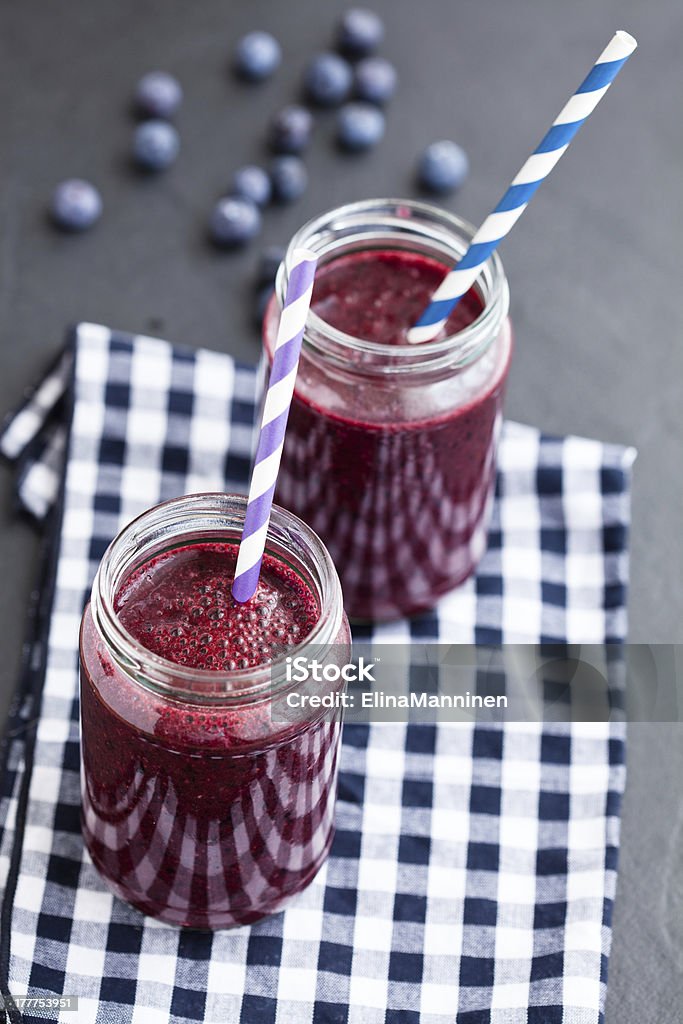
(378, 295)
(204, 811)
(390, 457)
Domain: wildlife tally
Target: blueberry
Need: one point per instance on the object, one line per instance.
(375, 80)
(261, 304)
(252, 182)
(289, 177)
(257, 56)
(158, 94)
(76, 204)
(269, 264)
(290, 130)
(155, 145)
(234, 221)
(328, 79)
(442, 167)
(359, 126)
(359, 32)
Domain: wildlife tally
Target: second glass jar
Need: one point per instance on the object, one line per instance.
(390, 453)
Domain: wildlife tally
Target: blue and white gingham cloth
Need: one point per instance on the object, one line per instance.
(474, 867)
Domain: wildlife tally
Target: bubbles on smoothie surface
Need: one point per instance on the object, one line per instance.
(179, 606)
(379, 294)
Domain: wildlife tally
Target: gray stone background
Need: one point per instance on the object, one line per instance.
(594, 268)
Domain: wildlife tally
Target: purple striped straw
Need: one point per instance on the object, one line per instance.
(513, 204)
(273, 424)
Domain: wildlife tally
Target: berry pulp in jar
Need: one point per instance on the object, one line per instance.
(207, 814)
(396, 477)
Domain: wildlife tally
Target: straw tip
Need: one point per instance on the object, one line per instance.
(628, 41)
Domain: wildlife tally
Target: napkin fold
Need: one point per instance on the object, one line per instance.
(473, 870)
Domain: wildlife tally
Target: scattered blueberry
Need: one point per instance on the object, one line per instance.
(360, 32)
(158, 94)
(375, 80)
(252, 182)
(269, 264)
(257, 56)
(359, 126)
(328, 79)
(290, 130)
(234, 221)
(289, 177)
(443, 167)
(155, 145)
(261, 304)
(76, 204)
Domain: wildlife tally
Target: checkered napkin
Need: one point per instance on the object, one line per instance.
(474, 866)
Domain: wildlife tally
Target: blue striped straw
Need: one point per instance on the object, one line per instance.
(515, 201)
(273, 424)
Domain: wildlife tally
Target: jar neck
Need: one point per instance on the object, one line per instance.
(206, 518)
(413, 227)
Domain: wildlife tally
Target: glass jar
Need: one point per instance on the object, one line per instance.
(390, 448)
(200, 805)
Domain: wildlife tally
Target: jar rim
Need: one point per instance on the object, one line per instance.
(159, 524)
(423, 222)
